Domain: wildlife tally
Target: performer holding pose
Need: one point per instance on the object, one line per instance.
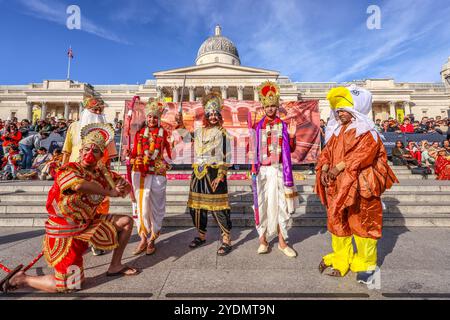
(277, 196)
(93, 113)
(208, 188)
(352, 173)
(74, 222)
(149, 177)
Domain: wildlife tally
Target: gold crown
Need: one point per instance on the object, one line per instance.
(269, 94)
(91, 101)
(100, 134)
(212, 102)
(155, 107)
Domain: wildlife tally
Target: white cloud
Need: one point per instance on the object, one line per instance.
(55, 11)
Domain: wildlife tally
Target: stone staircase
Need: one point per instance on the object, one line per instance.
(415, 202)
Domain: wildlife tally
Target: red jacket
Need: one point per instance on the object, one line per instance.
(407, 128)
(11, 139)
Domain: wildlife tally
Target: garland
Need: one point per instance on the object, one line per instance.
(276, 126)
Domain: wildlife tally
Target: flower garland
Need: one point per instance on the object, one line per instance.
(152, 147)
(275, 127)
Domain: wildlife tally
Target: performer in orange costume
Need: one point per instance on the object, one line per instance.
(74, 222)
(352, 173)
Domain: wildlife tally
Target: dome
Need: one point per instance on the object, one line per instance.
(218, 49)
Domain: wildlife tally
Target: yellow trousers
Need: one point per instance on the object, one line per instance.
(344, 258)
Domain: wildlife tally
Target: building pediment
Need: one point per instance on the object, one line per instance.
(217, 70)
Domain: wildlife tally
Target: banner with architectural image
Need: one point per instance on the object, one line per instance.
(235, 115)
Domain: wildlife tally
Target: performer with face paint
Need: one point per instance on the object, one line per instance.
(149, 176)
(352, 173)
(74, 223)
(92, 113)
(277, 195)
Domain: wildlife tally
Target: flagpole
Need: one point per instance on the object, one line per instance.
(68, 68)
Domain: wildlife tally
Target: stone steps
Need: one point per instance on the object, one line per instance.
(410, 203)
(246, 220)
(309, 197)
(237, 207)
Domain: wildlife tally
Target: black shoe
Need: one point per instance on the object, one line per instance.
(365, 277)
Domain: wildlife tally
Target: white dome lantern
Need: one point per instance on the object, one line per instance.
(218, 49)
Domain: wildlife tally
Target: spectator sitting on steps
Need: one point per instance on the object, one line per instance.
(401, 156)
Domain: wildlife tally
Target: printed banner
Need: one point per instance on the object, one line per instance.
(392, 137)
(235, 115)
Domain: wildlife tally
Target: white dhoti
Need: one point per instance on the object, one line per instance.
(273, 211)
(150, 194)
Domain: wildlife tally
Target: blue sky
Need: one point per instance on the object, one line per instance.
(126, 41)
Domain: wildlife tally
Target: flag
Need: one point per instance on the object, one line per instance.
(70, 53)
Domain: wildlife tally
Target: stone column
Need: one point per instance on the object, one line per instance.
(66, 110)
(80, 110)
(159, 92)
(191, 94)
(240, 90)
(407, 107)
(207, 89)
(255, 94)
(43, 110)
(30, 111)
(223, 89)
(175, 94)
(392, 112)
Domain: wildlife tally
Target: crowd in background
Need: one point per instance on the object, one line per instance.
(22, 152)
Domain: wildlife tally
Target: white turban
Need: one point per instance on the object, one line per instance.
(358, 102)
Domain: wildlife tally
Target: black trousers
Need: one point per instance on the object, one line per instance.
(222, 217)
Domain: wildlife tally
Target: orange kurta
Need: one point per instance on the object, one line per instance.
(353, 200)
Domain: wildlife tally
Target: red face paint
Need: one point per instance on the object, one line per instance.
(89, 158)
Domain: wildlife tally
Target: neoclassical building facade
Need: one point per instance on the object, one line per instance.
(218, 67)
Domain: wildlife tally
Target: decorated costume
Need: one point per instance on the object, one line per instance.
(277, 196)
(72, 143)
(211, 147)
(74, 222)
(352, 200)
(149, 174)
(442, 165)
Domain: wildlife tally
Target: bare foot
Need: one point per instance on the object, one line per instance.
(122, 270)
(16, 281)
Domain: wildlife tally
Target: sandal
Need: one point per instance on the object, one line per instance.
(150, 249)
(322, 266)
(197, 242)
(224, 249)
(5, 286)
(139, 250)
(123, 272)
(335, 273)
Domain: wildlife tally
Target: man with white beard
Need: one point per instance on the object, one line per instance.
(92, 113)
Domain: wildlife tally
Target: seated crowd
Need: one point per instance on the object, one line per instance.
(21, 152)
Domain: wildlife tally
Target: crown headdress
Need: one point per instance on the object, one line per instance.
(91, 101)
(212, 102)
(269, 94)
(155, 107)
(100, 134)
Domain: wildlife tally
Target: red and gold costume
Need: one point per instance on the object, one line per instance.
(74, 222)
(149, 174)
(442, 167)
(353, 202)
